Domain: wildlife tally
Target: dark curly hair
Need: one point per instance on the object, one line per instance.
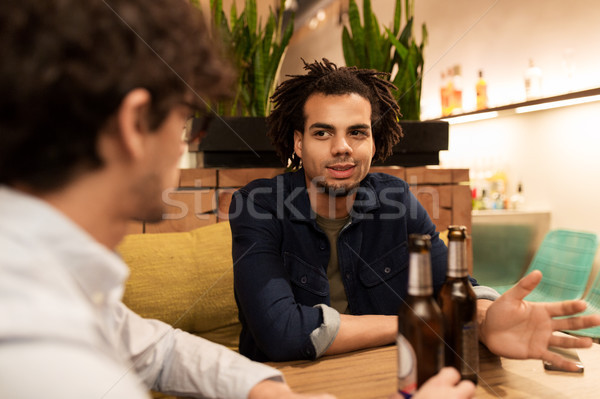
(68, 64)
(326, 78)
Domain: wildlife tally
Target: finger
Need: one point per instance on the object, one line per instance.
(447, 376)
(576, 322)
(570, 342)
(560, 362)
(524, 286)
(465, 389)
(565, 308)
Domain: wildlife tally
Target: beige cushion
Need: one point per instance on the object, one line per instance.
(186, 280)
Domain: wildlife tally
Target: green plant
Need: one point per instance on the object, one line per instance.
(393, 51)
(256, 51)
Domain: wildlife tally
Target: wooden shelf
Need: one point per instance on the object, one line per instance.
(538, 101)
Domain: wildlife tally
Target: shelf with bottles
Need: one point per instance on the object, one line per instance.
(538, 104)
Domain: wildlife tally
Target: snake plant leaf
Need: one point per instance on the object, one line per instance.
(397, 17)
(268, 36)
(348, 49)
(250, 10)
(259, 82)
(358, 34)
(372, 33)
(233, 13)
(406, 33)
(399, 48)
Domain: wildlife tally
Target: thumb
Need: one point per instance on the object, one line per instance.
(524, 287)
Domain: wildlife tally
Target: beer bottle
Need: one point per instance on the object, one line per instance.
(459, 306)
(420, 322)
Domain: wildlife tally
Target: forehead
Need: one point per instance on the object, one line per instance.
(344, 109)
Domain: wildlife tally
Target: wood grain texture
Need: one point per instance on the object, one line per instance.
(371, 374)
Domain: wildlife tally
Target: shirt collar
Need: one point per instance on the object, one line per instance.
(98, 270)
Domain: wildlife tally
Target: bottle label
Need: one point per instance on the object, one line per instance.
(470, 344)
(407, 367)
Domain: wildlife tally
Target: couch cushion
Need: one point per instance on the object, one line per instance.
(186, 280)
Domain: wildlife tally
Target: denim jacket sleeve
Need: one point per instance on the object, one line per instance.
(272, 320)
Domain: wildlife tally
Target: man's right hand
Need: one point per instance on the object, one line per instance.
(268, 389)
(444, 384)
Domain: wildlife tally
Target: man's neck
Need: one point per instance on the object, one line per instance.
(92, 209)
(330, 206)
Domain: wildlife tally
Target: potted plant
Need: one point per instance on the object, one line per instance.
(256, 51)
(397, 52)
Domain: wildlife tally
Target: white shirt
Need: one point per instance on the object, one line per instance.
(64, 332)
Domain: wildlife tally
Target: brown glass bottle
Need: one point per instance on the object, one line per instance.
(420, 322)
(459, 306)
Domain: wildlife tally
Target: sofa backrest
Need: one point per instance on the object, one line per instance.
(186, 280)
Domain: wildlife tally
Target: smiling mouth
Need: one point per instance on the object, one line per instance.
(341, 171)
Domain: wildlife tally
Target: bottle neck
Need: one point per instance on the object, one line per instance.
(457, 259)
(419, 275)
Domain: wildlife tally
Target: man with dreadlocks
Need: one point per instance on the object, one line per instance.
(320, 254)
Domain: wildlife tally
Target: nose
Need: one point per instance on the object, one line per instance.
(340, 146)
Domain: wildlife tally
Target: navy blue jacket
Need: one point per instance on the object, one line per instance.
(280, 259)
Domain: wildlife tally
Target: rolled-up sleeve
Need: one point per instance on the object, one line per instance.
(323, 336)
(280, 328)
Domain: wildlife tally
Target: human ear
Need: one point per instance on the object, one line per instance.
(132, 121)
(298, 143)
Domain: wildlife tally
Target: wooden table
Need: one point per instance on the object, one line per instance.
(371, 374)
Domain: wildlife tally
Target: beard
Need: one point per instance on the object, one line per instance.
(337, 190)
(342, 189)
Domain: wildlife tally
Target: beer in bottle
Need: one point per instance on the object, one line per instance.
(420, 322)
(459, 306)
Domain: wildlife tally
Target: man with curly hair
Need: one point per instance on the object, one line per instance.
(320, 253)
(95, 95)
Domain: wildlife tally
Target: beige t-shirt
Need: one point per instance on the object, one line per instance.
(337, 292)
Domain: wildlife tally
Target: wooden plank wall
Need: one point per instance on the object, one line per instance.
(204, 195)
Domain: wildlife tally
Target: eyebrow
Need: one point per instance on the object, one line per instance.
(320, 125)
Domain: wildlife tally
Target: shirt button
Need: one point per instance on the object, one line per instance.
(387, 270)
(303, 279)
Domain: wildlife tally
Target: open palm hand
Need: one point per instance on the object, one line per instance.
(519, 329)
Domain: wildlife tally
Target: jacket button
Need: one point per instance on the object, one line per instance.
(348, 276)
(322, 246)
(303, 279)
(387, 270)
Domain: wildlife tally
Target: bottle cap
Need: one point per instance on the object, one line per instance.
(419, 242)
(456, 232)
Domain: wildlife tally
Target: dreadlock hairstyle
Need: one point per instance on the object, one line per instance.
(326, 78)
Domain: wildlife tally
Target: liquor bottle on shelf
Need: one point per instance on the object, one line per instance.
(450, 102)
(517, 200)
(533, 82)
(459, 307)
(481, 90)
(457, 106)
(444, 95)
(420, 322)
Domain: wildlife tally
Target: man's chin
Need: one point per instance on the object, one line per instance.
(337, 190)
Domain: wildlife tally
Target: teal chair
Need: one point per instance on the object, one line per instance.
(593, 307)
(501, 252)
(565, 259)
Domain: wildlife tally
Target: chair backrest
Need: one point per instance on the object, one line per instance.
(565, 259)
(593, 296)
